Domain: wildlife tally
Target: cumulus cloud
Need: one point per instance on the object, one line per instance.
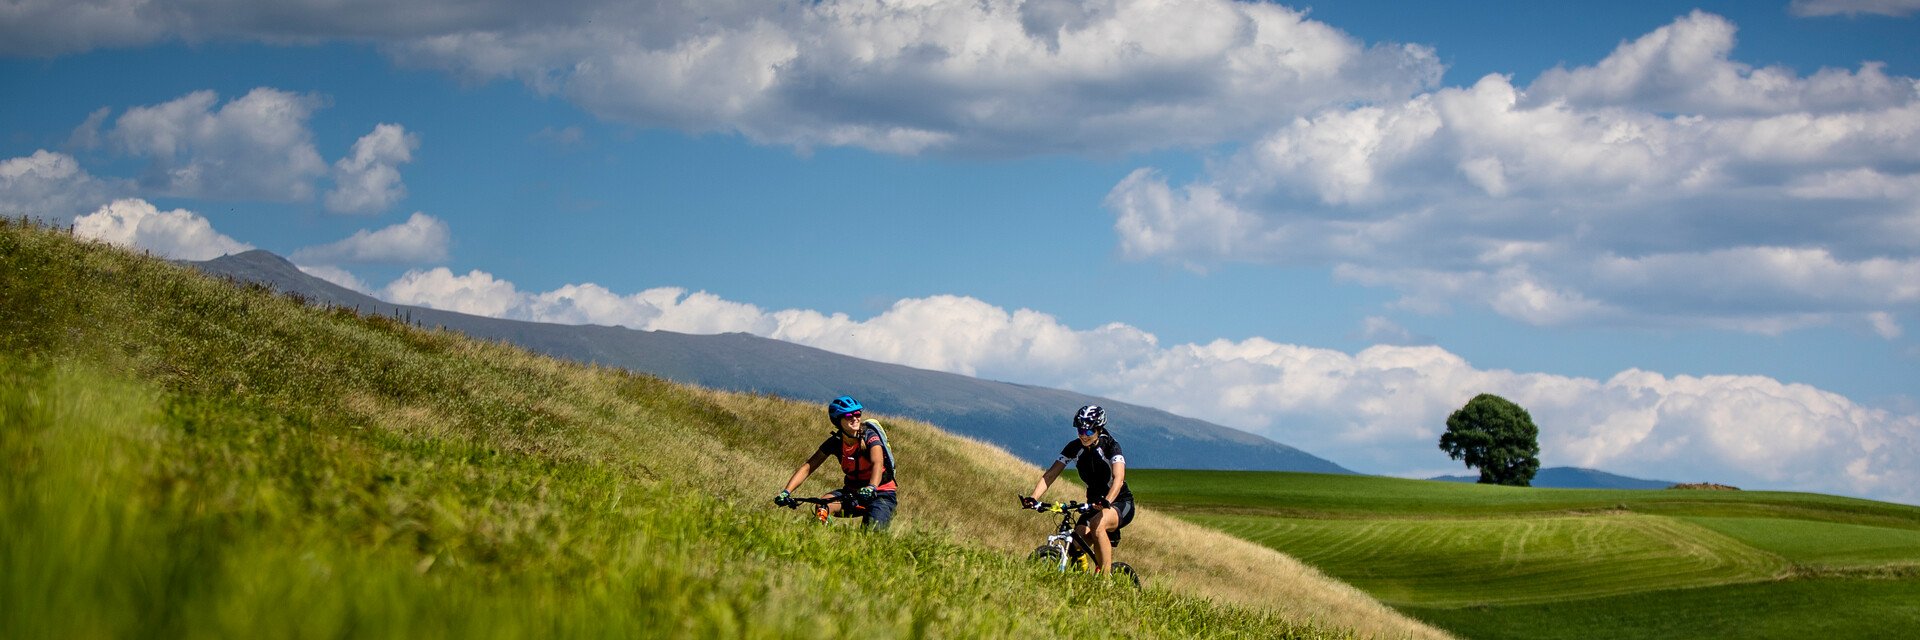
(1665, 186)
(997, 78)
(368, 179)
(665, 309)
(255, 147)
(1684, 67)
(52, 186)
(476, 293)
(993, 78)
(337, 276)
(1380, 410)
(1895, 8)
(421, 239)
(178, 234)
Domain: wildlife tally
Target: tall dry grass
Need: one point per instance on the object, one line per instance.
(968, 489)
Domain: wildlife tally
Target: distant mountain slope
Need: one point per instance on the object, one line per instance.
(1576, 478)
(1031, 422)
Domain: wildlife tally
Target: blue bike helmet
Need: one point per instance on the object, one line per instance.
(841, 406)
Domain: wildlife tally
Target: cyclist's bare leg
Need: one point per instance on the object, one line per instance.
(1105, 520)
(1083, 535)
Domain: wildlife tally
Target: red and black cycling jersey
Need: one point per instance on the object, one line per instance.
(1096, 466)
(855, 459)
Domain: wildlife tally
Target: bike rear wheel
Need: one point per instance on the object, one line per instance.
(1048, 555)
(1124, 571)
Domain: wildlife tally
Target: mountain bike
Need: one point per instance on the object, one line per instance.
(849, 505)
(1065, 550)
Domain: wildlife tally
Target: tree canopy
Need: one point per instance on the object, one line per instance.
(1495, 436)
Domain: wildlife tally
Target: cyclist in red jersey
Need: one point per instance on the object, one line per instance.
(862, 451)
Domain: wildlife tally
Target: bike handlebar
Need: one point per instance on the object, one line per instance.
(1062, 507)
(794, 502)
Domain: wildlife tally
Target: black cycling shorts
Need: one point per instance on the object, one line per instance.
(1123, 505)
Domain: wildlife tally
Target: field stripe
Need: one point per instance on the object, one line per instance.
(1462, 562)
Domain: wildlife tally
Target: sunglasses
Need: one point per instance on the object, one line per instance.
(850, 414)
(1088, 432)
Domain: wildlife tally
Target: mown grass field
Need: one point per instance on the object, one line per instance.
(184, 457)
(1506, 562)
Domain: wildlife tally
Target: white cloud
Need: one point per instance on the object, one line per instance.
(476, 292)
(87, 135)
(421, 239)
(994, 78)
(178, 234)
(368, 179)
(968, 336)
(1782, 277)
(337, 276)
(256, 147)
(661, 309)
(1856, 184)
(1884, 325)
(1380, 410)
(1684, 67)
(1584, 199)
(1895, 8)
(52, 186)
(1381, 330)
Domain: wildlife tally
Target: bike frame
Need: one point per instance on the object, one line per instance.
(1064, 538)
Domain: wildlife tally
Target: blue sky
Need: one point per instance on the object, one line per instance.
(1684, 235)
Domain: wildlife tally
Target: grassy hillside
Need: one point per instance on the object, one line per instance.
(187, 457)
(1490, 562)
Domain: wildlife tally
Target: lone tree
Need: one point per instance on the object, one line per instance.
(1495, 436)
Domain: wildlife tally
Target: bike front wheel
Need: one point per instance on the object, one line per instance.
(1048, 555)
(1124, 571)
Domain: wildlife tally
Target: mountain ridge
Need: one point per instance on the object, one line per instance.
(1029, 421)
(1576, 478)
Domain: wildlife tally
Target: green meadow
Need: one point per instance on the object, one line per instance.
(1508, 562)
(187, 457)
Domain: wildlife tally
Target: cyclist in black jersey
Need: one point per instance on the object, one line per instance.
(1097, 455)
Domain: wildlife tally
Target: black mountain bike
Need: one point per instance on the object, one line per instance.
(1065, 550)
(849, 506)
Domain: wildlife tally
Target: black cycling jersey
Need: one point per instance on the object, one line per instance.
(1096, 466)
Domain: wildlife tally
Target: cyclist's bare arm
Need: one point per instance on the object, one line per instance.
(1119, 480)
(1046, 479)
(806, 469)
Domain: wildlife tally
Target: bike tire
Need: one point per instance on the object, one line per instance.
(1124, 571)
(1048, 554)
